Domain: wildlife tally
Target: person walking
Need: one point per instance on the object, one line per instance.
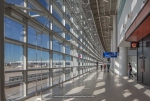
(104, 67)
(108, 66)
(101, 67)
(130, 70)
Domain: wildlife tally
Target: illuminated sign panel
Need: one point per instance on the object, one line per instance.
(110, 54)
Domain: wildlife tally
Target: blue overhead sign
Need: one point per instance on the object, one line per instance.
(110, 54)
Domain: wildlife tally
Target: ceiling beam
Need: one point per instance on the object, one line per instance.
(102, 14)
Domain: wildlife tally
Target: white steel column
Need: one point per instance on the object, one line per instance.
(64, 18)
(25, 53)
(51, 45)
(64, 63)
(64, 45)
(51, 6)
(25, 57)
(51, 59)
(123, 63)
(114, 33)
(71, 74)
(2, 80)
(114, 42)
(112, 62)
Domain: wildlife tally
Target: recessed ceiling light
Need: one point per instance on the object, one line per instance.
(107, 16)
(105, 0)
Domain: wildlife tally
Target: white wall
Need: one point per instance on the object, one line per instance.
(132, 58)
(133, 6)
(133, 61)
(132, 52)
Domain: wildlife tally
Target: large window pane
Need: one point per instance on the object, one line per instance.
(33, 58)
(57, 63)
(83, 56)
(45, 41)
(83, 69)
(68, 14)
(80, 70)
(57, 76)
(58, 30)
(80, 62)
(75, 23)
(57, 46)
(75, 53)
(68, 61)
(68, 27)
(13, 86)
(33, 38)
(67, 73)
(68, 49)
(13, 29)
(18, 2)
(37, 39)
(38, 59)
(13, 57)
(59, 2)
(73, 41)
(45, 3)
(67, 37)
(75, 71)
(42, 19)
(39, 82)
(75, 61)
(75, 33)
(83, 62)
(57, 60)
(45, 59)
(57, 16)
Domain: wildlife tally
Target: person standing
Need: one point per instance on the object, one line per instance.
(108, 66)
(130, 70)
(101, 67)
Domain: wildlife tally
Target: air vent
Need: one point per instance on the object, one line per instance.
(105, 0)
(144, 1)
(124, 26)
(130, 15)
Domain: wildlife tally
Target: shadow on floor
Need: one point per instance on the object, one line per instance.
(98, 86)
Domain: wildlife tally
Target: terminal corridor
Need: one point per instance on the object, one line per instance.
(98, 86)
(54, 50)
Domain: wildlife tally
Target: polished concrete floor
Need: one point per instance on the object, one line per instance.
(98, 86)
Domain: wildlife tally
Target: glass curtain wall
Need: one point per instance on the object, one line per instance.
(36, 46)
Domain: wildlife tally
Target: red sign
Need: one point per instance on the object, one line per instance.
(80, 55)
(134, 44)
